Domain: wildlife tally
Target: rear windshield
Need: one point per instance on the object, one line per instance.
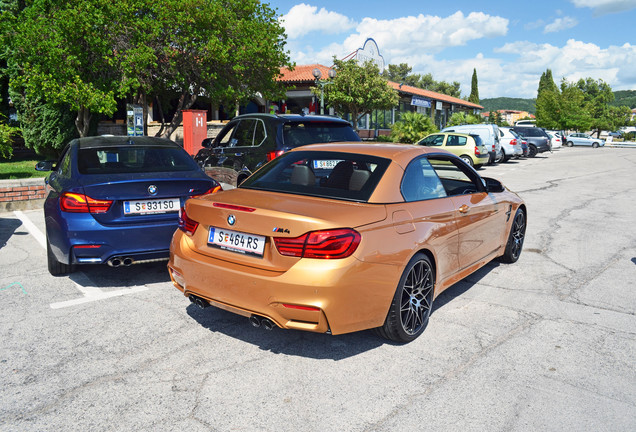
(344, 176)
(302, 133)
(133, 159)
(531, 132)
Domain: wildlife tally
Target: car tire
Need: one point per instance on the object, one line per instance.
(532, 151)
(515, 238)
(412, 303)
(56, 268)
(502, 158)
(570, 144)
(467, 159)
(595, 145)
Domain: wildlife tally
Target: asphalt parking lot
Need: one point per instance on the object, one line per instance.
(548, 343)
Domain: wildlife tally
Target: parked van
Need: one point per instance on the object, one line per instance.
(489, 134)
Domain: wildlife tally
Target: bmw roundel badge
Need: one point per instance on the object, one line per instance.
(152, 190)
(231, 220)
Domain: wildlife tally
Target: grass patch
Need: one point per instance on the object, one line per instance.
(20, 169)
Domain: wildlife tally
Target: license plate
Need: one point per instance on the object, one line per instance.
(151, 206)
(248, 244)
(325, 164)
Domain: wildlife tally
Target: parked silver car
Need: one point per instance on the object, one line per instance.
(583, 139)
(510, 143)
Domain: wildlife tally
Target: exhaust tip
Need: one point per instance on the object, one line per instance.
(114, 262)
(127, 261)
(267, 324)
(255, 321)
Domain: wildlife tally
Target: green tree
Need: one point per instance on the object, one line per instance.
(412, 127)
(402, 74)
(548, 104)
(358, 90)
(87, 53)
(474, 89)
(574, 114)
(460, 118)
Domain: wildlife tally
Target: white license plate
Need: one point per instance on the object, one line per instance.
(151, 206)
(248, 244)
(325, 164)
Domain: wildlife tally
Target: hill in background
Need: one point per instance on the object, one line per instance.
(506, 103)
(621, 98)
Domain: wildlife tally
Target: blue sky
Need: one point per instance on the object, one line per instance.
(509, 43)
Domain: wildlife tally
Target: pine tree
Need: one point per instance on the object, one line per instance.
(474, 91)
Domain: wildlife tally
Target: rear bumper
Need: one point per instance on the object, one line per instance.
(313, 295)
(77, 238)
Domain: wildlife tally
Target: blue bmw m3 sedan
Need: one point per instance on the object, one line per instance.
(116, 200)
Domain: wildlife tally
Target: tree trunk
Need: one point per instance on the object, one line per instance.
(186, 100)
(83, 121)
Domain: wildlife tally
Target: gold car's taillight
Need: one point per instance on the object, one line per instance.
(327, 244)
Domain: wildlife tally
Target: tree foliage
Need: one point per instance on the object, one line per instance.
(548, 103)
(474, 89)
(87, 53)
(402, 74)
(460, 118)
(412, 127)
(358, 90)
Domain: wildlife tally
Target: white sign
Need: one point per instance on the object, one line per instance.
(370, 52)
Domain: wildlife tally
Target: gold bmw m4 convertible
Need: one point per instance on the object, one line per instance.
(337, 238)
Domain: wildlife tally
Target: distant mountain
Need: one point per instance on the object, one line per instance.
(622, 98)
(506, 103)
(625, 98)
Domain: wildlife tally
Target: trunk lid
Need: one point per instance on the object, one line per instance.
(268, 215)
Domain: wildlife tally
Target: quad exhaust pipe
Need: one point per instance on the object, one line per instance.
(258, 321)
(128, 261)
(202, 303)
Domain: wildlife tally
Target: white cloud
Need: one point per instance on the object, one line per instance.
(615, 65)
(602, 7)
(413, 37)
(303, 19)
(560, 24)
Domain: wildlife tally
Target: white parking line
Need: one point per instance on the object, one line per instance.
(87, 287)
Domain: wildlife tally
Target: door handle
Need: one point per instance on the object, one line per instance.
(464, 209)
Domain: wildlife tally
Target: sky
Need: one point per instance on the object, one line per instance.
(510, 44)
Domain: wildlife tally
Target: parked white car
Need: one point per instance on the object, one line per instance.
(583, 139)
(555, 140)
(510, 143)
(489, 134)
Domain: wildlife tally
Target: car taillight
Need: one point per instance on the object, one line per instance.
(80, 203)
(187, 225)
(273, 154)
(477, 151)
(212, 190)
(328, 244)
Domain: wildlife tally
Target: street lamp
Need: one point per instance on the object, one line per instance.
(317, 74)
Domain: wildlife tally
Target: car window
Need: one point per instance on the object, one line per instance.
(64, 167)
(335, 175)
(133, 159)
(225, 135)
(420, 182)
(433, 141)
(244, 134)
(297, 134)
(456, 141)
(456, 177)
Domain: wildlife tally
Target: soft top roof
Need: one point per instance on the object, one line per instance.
(110, 141)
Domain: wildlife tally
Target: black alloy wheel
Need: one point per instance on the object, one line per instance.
(532, 151)
(515, 238)
(412, 303)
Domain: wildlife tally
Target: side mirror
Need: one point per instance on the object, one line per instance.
(207, 143)
(44, 165)
(493, 185)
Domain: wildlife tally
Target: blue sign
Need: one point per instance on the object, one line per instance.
(420, 101)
